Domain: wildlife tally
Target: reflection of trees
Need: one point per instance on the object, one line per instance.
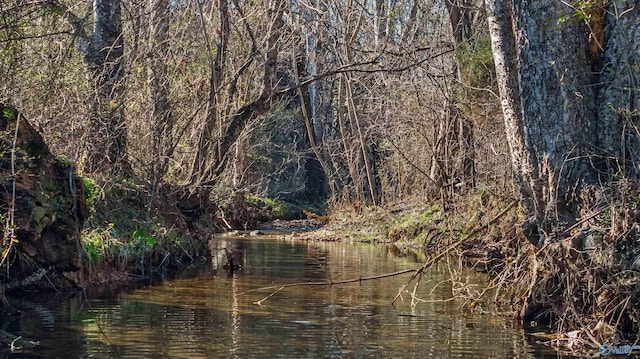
(208, 316)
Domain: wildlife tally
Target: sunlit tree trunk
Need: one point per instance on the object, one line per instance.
(380, 21)
(548, 99)
(362, 141)
(347, 138)
(315, 180)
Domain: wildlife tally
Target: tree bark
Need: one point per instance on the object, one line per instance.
(315, 177)
(161, 114)
(548, 98)
(107, 130)
(459, 18)
(208, 146)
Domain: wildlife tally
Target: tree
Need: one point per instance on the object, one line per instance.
(208, 164)
(548, 93)
(161, 113)
(107, 130)
(569, 99)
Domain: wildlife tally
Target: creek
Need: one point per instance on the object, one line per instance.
(207, 312)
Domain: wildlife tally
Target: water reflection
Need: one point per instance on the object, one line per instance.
(213, 314)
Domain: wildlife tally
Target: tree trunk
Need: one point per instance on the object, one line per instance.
(208, 147)
(453, 162)
(459, 19)
(548, 99)
(317, 168)
(161, 114)
(107, 130)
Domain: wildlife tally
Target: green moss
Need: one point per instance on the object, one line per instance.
(9, 112)
(274, 208)
(39, 216)
(38, 213)
(64, 162)
(417, 226)
(91, 193)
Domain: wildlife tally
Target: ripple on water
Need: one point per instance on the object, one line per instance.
(213, 316)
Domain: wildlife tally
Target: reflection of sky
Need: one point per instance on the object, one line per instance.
(212, 314)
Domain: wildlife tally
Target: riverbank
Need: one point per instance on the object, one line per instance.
(484, 227)
(581, 287)
(123, 241)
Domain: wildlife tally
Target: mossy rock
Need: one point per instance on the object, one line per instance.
(48, 214)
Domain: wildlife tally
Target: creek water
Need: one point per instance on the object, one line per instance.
(208, 312)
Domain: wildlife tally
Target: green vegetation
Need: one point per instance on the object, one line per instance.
(272, 208)
(476, 60)
(118, 236)
(420, 225)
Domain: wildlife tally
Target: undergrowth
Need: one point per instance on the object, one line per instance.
(584, 282)
(582, 286)
(122, 239)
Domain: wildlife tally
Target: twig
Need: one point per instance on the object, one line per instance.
(269, 296)
(344, 281)
(15, 348)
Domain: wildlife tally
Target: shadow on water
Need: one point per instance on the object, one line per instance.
(210, 311)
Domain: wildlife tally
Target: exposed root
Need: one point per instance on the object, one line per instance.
(584, 282)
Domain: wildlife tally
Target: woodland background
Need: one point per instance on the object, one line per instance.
(181, 109)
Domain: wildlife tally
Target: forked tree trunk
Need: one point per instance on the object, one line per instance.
(207, 168)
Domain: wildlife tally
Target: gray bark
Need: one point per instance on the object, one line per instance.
(107, 130)
(161, 114)
(617, 101)
(549, 84)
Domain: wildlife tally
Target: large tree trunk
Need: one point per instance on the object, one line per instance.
(558, 137)
(618, 99)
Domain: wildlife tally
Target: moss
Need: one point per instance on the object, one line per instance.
(272, 208)
(40, 217)
(9, 113)
(91, 193)
(64, 162)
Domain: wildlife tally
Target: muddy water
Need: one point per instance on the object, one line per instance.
(209, 313)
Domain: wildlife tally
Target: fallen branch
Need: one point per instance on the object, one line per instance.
(417, 271)
(436, 258)
(329, 283)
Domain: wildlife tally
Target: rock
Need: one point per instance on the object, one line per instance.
(49, 208)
